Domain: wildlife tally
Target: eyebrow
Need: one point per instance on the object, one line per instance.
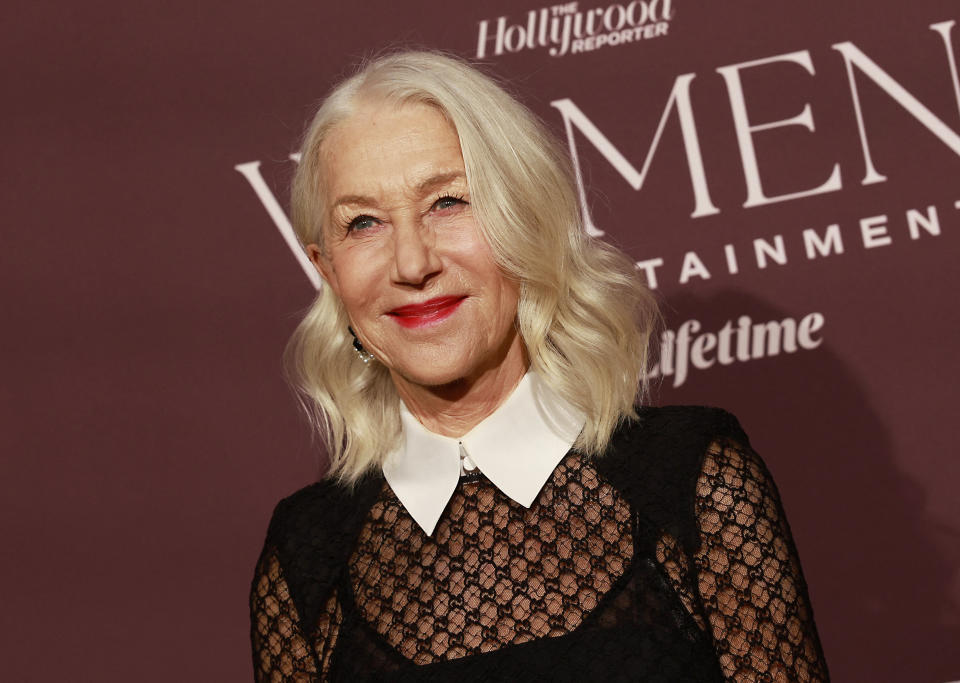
(423, 187)
(439, 180)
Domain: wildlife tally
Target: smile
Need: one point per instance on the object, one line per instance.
(427, 313)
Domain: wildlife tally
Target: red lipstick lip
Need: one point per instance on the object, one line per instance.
(433, 310)
(430, 306)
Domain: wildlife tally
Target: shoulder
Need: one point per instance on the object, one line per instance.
(308, 503)
(683, 430)
(657, 458)
(311, 534)
(320, 509)
(665, 442)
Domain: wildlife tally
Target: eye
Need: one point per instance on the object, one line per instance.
(447, 202)
(361, 223)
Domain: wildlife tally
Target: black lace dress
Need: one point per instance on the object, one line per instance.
(668, 559)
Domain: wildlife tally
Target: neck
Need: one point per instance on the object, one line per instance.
(455, 408)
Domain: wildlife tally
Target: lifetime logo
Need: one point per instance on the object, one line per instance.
(685, 349)
(566, 29)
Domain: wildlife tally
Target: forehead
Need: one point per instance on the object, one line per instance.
(384, 147)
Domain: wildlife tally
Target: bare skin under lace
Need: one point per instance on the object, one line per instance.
(581, 564)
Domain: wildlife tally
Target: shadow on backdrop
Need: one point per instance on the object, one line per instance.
(880, 570)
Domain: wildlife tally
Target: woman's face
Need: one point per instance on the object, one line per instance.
(403, 250)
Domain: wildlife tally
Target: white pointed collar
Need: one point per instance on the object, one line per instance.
(517, 447)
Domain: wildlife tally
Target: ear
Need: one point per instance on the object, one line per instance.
(323, 266)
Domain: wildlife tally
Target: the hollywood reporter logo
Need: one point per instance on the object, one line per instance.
(565, 28)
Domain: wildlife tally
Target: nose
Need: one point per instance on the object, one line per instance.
(415, 258)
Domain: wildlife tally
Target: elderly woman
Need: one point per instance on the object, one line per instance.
(498, 507)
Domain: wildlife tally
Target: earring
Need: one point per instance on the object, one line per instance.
(364, 355)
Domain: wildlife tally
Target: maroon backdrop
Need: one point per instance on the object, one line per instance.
(788, 174)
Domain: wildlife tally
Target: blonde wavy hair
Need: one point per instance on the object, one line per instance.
(584, 314)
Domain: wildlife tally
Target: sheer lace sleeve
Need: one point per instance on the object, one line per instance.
(749, 575)
(281, 652)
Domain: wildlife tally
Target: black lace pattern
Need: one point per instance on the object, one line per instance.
(586, 582)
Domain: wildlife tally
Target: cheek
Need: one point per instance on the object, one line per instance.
(506, 296)
(501, 293)
(511, 298)
(355, 286)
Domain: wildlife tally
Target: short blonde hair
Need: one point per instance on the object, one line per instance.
(584, 314)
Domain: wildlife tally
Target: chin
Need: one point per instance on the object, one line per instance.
(434, 378)
(434, 372)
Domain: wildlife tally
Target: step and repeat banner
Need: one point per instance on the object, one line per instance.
(785, 175)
